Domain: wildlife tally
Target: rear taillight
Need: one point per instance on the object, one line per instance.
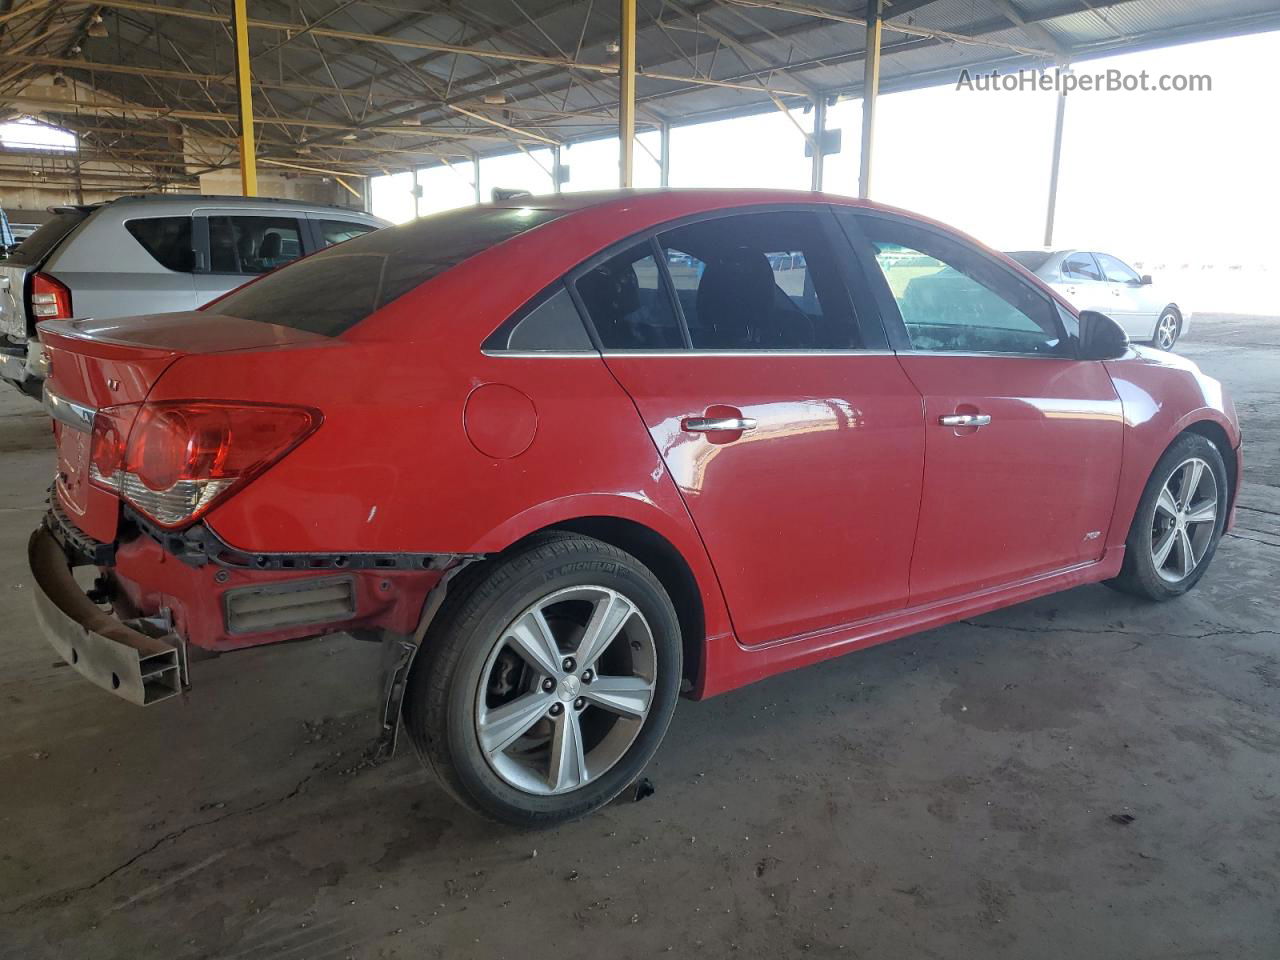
(181, 457)
(50, 300)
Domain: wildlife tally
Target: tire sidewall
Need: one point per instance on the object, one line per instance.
(544, 576)
(1138, 547)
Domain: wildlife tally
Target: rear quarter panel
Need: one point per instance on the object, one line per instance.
(394, 468)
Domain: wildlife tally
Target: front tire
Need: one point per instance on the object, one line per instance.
(547, 681)
(1168, 329)
(1178, 523)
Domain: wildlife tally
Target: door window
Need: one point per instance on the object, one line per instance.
(167, 239)
(1080, 266)
(761, 281)
(252, 244)
(340, 231)
(1117, 271)
(952, 298)
(626, 299)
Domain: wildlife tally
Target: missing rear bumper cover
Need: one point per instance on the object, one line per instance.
(293, 604)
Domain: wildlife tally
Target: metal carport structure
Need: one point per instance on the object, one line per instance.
(352, 88)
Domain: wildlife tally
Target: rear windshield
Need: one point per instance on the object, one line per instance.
(335, 289)
(1033, 260)
(40, 244)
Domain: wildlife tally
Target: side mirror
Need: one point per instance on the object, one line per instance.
(1146, 279)
(1101, 338)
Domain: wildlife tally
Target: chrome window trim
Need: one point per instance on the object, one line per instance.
(75, 415)
(989, 353)
(681, 352)
(747, 353)
(540, 353)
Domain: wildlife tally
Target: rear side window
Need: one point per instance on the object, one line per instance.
(551, 323)
(627, 303)
(167, 239)
(253, 244)
(759, 281)
(333, 290)
(50, 233)
(1080, 266)
(340, 231)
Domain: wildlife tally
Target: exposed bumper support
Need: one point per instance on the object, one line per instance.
(136, 660)
(398, 653)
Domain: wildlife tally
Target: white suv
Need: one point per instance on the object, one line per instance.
(150, 254)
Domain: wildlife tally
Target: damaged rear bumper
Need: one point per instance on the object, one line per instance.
(136, 659)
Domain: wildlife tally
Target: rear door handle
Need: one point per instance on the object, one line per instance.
(965, 420)
(714, 424)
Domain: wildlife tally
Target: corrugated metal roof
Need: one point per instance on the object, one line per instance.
(341, 102)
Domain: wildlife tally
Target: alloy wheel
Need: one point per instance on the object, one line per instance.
(1167, 332)
(566, 690)
(1183, 525)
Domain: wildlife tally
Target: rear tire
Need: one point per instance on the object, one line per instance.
(501, 710)
(1168, 328)
(1178, 523)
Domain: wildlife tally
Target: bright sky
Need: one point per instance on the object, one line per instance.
(28, 134)
(1151, 176)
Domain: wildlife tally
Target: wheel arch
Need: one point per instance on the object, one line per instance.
(665, 561)
(1214, 432)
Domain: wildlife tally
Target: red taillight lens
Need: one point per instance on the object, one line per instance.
(182, 457)
(50, 300)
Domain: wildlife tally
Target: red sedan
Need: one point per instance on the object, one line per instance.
(569, 457)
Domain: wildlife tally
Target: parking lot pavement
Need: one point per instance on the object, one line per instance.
(1080, 776)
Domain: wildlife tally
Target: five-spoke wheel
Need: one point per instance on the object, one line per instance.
(566, 689)
(1183, 526)
(547, 679)
(1168, 329)
(1178, 522)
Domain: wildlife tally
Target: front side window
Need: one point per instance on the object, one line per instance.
(952, 298)
(243, 244)
(340, 231)
(167, 239)
(627, 302)
(1115, 270)
(759, 281)
(1080, 266)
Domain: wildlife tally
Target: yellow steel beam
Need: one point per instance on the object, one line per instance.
(244, 96)
(627, 93)
(870, 90)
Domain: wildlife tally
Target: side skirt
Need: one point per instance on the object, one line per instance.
(730, 665)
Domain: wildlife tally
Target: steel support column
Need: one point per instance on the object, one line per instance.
(244, 98)
(475, 174)
(556, 168)
(664, 154)
(1054, 167)
(819, 141)
(627, 93)
(870, 90)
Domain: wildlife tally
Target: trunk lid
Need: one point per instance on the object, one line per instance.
(107, 363)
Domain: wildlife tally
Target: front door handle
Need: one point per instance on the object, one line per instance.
(965, 420)
(715, 424)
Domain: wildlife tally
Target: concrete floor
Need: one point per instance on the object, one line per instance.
(947, 795)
